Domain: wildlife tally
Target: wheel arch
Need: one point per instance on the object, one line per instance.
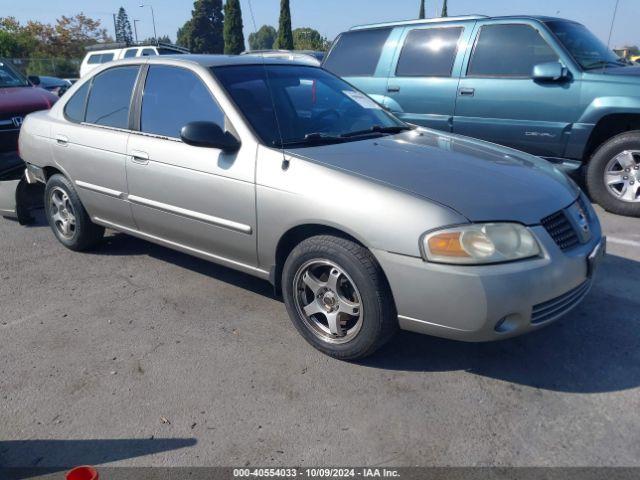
(608, 127)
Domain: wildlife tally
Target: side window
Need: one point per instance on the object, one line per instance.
(95, 58)
(148, 52)
(74, 109)
(357, 53)
(429, 52)
(110, 97)
(508, 51)
(106, 57)
(174, 97)
(130, 53)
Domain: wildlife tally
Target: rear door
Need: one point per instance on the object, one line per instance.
(195, 197)
(499, 101)
(363, 58)
(425, 72)
(91, 143)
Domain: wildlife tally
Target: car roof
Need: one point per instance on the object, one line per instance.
(226, 60)
(458, 19)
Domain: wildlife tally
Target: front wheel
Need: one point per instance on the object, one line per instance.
(338, 298)
(613, 175)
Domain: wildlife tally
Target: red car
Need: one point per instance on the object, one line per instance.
(19, 96)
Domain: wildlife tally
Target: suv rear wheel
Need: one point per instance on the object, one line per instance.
(338, 298)
(67, 217)
(613, 175)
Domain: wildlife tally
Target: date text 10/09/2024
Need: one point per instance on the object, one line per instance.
(315, 472)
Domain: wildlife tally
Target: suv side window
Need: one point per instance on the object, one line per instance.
(110, 97)
(74, 109)
(508, 51)
(172, 98)
(357, 53)
(148, 52)
(429, 52)
(130, 53)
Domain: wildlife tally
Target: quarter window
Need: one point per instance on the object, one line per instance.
(357, 53)
(509, 51)
(174, 97)
(110, 97)
(74, 109)
(429, 53)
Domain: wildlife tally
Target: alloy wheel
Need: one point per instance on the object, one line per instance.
(622, 176)
(62, 213)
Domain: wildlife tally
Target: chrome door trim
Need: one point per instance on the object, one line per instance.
(183, 248)
(217, 221)
(104, 190)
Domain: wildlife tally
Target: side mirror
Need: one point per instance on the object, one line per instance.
(208, 134)
(34, 79)
(550, 72)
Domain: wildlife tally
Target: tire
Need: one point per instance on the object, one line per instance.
(604, 160)
(63, 207)
(345, 277)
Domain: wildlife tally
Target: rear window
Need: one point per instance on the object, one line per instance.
(357, 53)
(100, 58)
(110, 97)
(429, 52)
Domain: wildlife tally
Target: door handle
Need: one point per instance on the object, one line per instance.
(467, 92)
(393, 88)
(140, 157)
(62, 140)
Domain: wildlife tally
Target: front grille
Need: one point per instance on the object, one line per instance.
(561, 230)
(558, 306)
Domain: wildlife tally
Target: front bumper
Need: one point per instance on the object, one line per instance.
(491, 302)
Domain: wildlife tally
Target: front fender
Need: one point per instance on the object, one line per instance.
(603, 106)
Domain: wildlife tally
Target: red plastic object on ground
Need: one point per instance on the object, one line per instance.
(82, 473)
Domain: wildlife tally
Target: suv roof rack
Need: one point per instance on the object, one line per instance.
(420, 21)
(115, 45)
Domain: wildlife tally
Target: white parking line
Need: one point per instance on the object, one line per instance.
(623, 241)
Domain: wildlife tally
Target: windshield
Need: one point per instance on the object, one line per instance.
(9, 77)
(303, 104)
(584, 46)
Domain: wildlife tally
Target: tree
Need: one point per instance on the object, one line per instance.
(233, 35)
(183, 36)
(422, 12)
(205, 27)
(263, 39)
(160, 39)
(123, 27)
(285, 36)
(309, 39)
(444, 9)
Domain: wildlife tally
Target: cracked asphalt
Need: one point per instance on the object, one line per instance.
(140, 356)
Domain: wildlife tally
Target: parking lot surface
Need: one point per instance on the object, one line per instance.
(137, 355)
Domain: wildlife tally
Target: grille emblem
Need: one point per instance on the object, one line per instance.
(580, 222)
(17, 121)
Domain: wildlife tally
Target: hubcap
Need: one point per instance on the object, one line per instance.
(622, 176)
(328, 301)
(62, 213)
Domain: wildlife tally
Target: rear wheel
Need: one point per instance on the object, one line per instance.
(338, 298)
(613, 175)
(67, 217)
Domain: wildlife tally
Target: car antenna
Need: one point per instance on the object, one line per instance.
(613, 21)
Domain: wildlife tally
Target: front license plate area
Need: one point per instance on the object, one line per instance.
(596, 256)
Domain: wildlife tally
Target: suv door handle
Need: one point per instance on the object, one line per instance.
(393, 88)
(140, 157)
(467, 92)
(62, 140)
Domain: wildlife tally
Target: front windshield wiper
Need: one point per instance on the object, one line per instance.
(378, 129)
(605, 63)
(314, 138)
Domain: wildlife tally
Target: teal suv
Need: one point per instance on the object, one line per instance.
(546, 86)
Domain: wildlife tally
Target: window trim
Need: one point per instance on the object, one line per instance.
(506, 77)
(453, 60)
(337, 42)
(136, 122)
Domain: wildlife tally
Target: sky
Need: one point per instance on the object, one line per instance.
(331, 17)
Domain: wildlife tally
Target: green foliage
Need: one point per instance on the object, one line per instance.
(183, 37)
(444, 13)
(421, 14)
(161, 39)
(205, 27)
(233, 35)
(123, 27)
(309, 39)
(285, 35)
(263, 39)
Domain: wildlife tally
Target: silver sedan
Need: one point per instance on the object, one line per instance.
(286, 172)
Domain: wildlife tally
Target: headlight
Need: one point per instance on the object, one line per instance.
(480, 244)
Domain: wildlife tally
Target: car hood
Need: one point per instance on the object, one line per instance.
(630, 71)
(23, 100)
(480, 180)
